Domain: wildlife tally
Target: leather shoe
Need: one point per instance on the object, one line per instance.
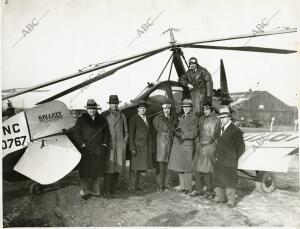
(219, 201)
(107, 196)
(187, 192)
(232, 205)
(131, 189)
(194, 194)
(85, 197)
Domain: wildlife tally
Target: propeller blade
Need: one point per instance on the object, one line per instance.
(292, 30)
(82, 72)
(99, 77)
(243, 48)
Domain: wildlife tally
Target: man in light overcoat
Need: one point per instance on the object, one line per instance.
(183, 146)
(203, 160)
(164, 127)
(115, 161)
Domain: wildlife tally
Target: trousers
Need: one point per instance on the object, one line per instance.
(203, 179)
(134, 179)
(110, 182)
(185, 181)
(162, 175)
(222, 193)
(90, 186)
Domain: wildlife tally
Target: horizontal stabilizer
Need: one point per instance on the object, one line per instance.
(47, 161)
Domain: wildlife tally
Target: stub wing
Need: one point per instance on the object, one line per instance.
(47, 161)
(269, 151)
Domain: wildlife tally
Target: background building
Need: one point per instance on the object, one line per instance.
(258, 107)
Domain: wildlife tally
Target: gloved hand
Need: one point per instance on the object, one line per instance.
(133, 153)
(208, 99)
(178, 133)
(180, 140)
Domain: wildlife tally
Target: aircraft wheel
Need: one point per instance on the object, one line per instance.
(266, 182)
(35, 188)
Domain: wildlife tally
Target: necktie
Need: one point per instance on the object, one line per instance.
(145, 119)
(222, 129)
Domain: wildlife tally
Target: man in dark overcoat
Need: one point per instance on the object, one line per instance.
(91, 133)
(164, 128)
(201, 82)
(115, 161)
(230, 147)
(140, 146)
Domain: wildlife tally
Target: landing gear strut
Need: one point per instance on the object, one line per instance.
(35, 188)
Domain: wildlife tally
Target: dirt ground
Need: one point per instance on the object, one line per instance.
(60, 205)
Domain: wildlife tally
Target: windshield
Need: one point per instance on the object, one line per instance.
(149, 86)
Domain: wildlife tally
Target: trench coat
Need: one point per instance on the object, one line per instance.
(182, 153)
(202, 83)
(230, 147)
(164, 129)
(140, 140)
(116, 158)
(206, 144)
(92, 133)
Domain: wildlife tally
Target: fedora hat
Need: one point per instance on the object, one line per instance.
(187, 103)
(141, 103)
(91, 104)
(224, 112)
(113, 99)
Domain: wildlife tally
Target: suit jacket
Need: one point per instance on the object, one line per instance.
(140, 140)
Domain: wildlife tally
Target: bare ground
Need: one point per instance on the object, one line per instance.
(60, 205)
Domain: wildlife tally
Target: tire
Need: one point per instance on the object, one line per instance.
(266, 182)
(35, 188)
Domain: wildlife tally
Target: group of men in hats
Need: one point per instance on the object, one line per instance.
(195, 142)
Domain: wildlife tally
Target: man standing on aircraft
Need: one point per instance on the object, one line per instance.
(164, 125)
(115, 161)
(230, 147)
(92, 135)
(202, 85)
(140, 146)
(209, 126)
(183, 146)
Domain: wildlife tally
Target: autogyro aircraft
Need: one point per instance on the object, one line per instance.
(37, 143)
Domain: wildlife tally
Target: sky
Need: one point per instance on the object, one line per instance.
(43, 40)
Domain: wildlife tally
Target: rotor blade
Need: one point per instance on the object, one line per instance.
(292, 30)
(82, 72)
(99, 77)
(243, 48)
